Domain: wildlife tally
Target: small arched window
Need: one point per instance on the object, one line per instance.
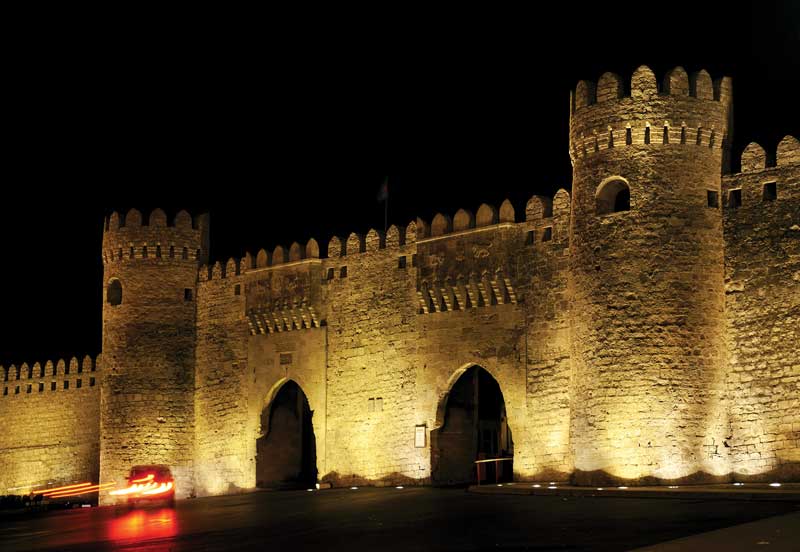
(114, 293)
(613, 196)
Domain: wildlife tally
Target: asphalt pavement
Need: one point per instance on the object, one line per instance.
(388, 519)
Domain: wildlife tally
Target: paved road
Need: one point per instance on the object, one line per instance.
(383, 519)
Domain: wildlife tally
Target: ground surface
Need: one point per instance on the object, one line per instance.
(385, 519)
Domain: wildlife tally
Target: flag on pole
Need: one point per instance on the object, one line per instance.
(383, 194)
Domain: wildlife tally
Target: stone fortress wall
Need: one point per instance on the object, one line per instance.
(149, 338)
(51, 424)
(652, 345)
(762, 305)
(648, 322)
(377, 332)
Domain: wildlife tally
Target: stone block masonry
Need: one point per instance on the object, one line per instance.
(149, 340)
(640, 330)
(762, 300)
(647, 297)
(51, 429)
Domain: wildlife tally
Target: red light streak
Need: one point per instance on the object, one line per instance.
(81, 491)
(73, 490)
(56, 489)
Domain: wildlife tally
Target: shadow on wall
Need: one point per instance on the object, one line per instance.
(337, 479)
(787, 472)
(544, 475)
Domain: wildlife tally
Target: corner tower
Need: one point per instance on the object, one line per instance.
(149, 313)
(647, 278)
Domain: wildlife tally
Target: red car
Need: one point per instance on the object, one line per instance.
(151, 484)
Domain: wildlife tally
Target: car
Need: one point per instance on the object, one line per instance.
(149, 484)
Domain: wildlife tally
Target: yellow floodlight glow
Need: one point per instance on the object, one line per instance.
(774, 484)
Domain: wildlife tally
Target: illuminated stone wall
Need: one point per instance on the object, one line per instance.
(376, 333)
(49, 437)
(657, 344)
(372, 351)
(762, 284)
(543, 270)
(223, 448)
(147, 395)
(296, 355)
(647, 297)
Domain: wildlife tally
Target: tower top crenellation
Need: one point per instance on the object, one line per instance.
(131, 236)
(691, 110)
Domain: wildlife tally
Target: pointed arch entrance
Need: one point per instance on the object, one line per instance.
(286, 455)
(472, 425)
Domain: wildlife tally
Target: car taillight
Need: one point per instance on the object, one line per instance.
(161, 489)
(145, 486)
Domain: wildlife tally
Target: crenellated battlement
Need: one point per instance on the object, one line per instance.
(128, 237)
(684, 111)
(755, 158)
(768, 179)
(280, 257)
(61, 375)
(644, 87)
(539, 211)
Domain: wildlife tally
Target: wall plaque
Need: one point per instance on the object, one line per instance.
(419, 436)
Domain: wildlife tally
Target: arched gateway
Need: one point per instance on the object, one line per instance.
(473, 426)
(286, 451)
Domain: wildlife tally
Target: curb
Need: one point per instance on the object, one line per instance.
(525, 489)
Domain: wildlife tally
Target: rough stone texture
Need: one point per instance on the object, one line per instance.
(655, 344)
(222, 463)
(754, 158)
(371, 350)
(147, 406)
(762, 284)
(647, 293)
(50, 437)
(546, 453)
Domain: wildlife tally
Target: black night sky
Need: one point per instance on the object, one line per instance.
(283, 137)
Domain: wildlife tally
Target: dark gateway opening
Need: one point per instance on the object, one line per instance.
(475, 428)
(286, 455)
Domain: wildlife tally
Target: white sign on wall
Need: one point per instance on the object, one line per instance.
(419, 436)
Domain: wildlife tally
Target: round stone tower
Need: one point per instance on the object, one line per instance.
(647, 278)
(149, 312)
